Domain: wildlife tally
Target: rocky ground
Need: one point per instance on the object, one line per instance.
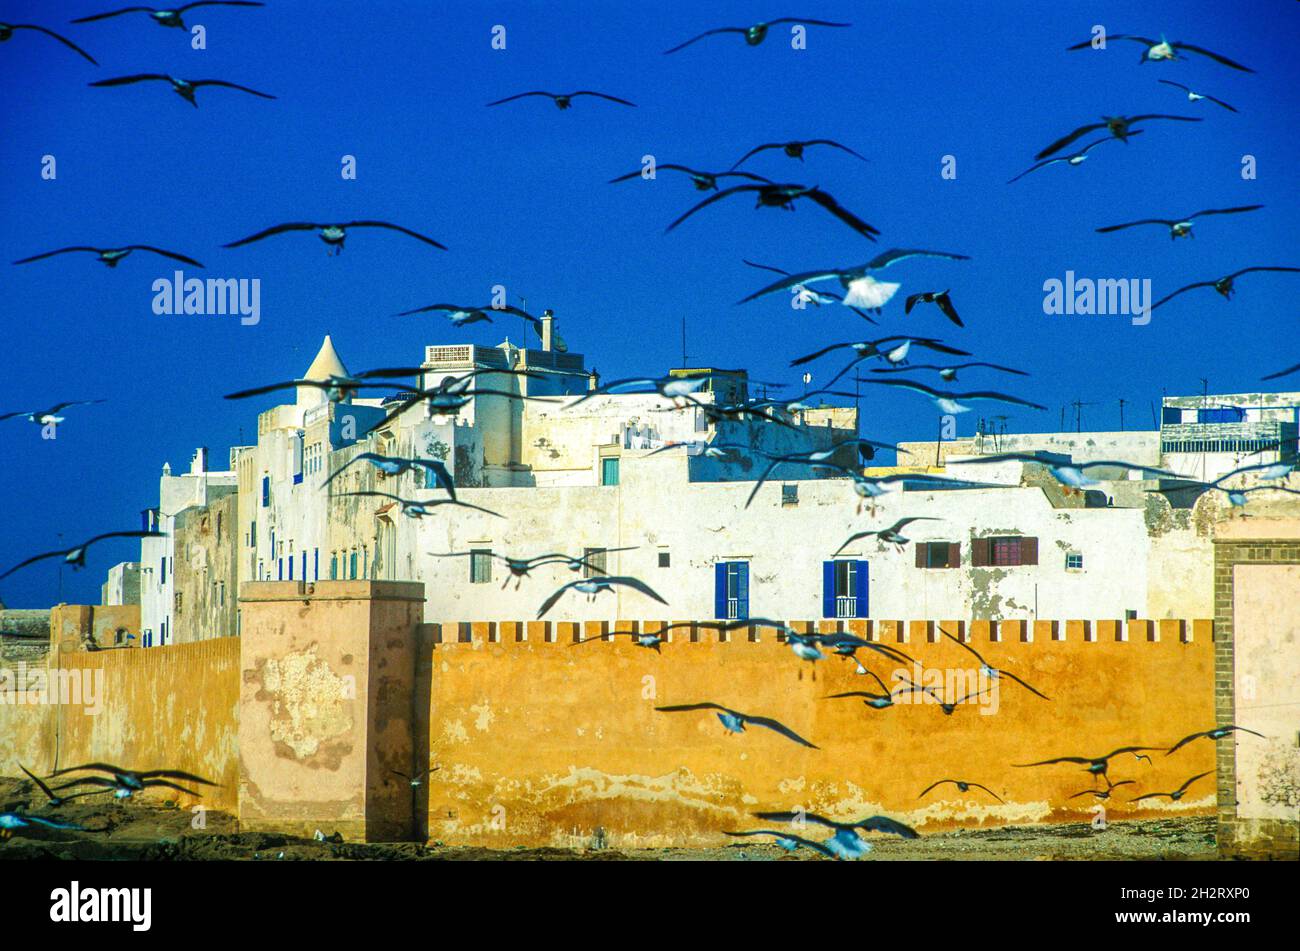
(154, 830)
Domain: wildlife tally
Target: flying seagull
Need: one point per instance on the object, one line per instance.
(1195, 96)
(893, 349)
(1224, 285)
(845, 843)
(865, 447)
(674, 387)
(784, 196)
(1179, 227)
(414, 508)
(1177, 794)
(398, 465)
(76, 555)
(1070, 473)
(1217, 733)
(7, 31)
(949, 402)
(892, 535)
(593, 586)
(1101, 793)
(520, 568)
(1164, 50)
(703, 181)
(947, 706)
(1097, 766)
(940, 298)
(733, 721)
(44, 417)
(949, 373)
(809, 295)
(795, 149)
(9, 821)
(1118, 126)
(333, 234)
(112, 256)
(126, 782)
(335, 387)
(788, 841)
(754, 34)
(461, 316)
(55, 801)
(877, 701)
(562, 100)
(185, 88)
(1074, 158)
(418, 779)
(962, 786)
(993, 673)
(169, 17)
(860, 288)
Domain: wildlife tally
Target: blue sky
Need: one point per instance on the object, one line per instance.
(518, 194)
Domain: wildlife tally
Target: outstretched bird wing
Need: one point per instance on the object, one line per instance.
(277, 229)
(839, 211)
(62, 39)
(716, 196)
(1067, 139)
(601, 95)
(894, 255)
(392, 227)
(167, 254)
(50, 254)
(1218, 58)
(721, 29)
(779, 727)
(195, 84)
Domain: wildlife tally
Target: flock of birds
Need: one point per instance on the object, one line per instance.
(860, 287)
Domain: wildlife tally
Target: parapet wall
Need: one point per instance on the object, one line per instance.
(541, 740)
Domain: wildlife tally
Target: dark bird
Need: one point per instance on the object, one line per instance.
(399, 465)
(940, 298)
(893, 350)
(733, 721)
(335, 388)
(949, 373)
(333, 234)
(415, 508)
(1218, 733)
(112, 256)
(169, 17)
(877, 701)
(1177, 794)
(947, 706)
(948, 401)
(44, 417)
(562, 100)
(55, 801)
(1196, 96)
(593, 586)
(463, 316)
(1074, 158)
(675, 387)
(992, 672)
(811, 296)
(860, 288)
(784, 196)
(1101, 793)
(795, 149)
(648, 641)
(845, 843)
(754, 34)
(185, 88)
(703, 181)
(1097, 766)
(126, 782)
(891, 535)
(9, 821)
(7, 31)
(1118, 127)
(1178, 227)
(521, 568)
(76, 555)
(1224, 285)
(452, 395)
(1164, 50)
(787, 841)
(962, 786)
(811, 457)
(1280, 373)
(418, 779)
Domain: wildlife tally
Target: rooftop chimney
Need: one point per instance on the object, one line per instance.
(199, 463)
(548, 321)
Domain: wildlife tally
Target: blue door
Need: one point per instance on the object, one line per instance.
(731, 590)
(845, 589)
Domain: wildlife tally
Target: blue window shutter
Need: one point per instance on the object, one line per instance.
(742, 585)
(720, 590)
(862, 585)
(828, 589)
(315, 565)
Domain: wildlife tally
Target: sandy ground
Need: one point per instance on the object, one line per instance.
(151, 829)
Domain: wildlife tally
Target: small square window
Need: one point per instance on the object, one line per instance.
(480, 565)
(789, 494)
(665, 560)
(1074, 561)
(595, 562)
